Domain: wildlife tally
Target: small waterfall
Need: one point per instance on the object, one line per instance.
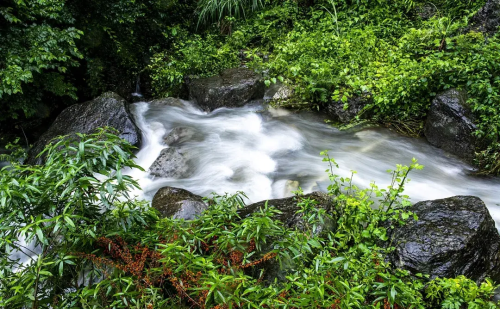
(137, 92)
(269, 153)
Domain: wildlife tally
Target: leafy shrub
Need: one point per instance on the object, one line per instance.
(217, 10)
(93, 246)
(194, 56)
(49, 212)
(31, 45)
(334, 51)
(460, 292)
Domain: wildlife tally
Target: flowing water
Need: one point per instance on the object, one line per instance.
(268, 153)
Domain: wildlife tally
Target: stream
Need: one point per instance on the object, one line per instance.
(268, 153)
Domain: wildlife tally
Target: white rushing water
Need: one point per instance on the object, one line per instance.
(267, 153)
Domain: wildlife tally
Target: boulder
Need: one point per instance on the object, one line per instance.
(449, 124)
(452, 236)
(355, 105)
(172, 163)
(176, 102)
(109, 109)
(233, 88)
(179, 135)
(487, 19)
(178, 203)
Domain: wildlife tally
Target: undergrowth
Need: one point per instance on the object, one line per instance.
(85, 243)
(396, 54)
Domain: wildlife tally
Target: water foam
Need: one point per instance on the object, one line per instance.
(268, 153)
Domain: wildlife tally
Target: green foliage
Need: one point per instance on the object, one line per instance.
(34, 52)
(217, 10)
(122, 35)
(91, 245)
(460, 292)
(489, 159)
(16, 152)
(58, 209)
(52, 51)
(397, 54)
(209, 54)
(193, 56)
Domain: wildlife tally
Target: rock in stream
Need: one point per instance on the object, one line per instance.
(172, 163)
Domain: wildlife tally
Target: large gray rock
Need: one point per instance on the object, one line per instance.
(172, 163)
(178, 203)
(109, 109)
(452, 236)
(233, 88)
(355, 105)
(450, 125)
(487, 18)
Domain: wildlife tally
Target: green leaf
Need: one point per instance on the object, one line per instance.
(393, 293)
(69, 221)
(40, 235)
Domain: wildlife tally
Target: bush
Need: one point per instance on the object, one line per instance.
(334, 51)
(94, 246)
(193, 56)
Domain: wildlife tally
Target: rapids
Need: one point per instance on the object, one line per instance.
(267, 153)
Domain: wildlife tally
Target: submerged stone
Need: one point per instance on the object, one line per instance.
(175, 102)
(179, 135)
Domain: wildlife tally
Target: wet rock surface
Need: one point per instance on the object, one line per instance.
(233, 88)
(450, 126)
(453, 236)
(172, 163)
(180, 135)
(109, 109)
(337, 113)
(178, 203)
(176, 102)
(487, 18)
(278, 92)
